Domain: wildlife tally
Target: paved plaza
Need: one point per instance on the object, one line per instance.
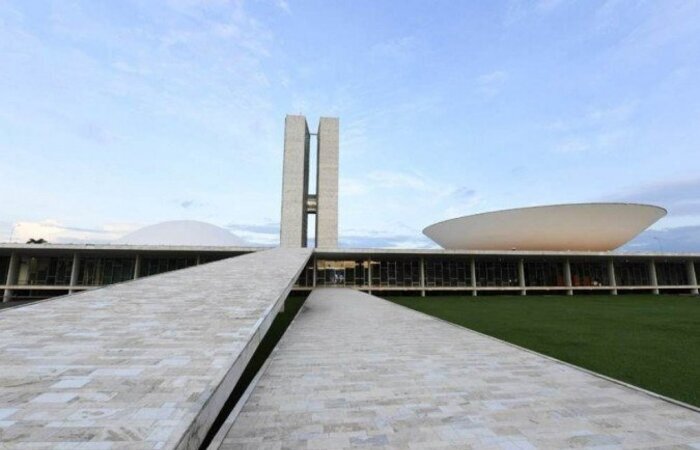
(357, 371)
(144, 364)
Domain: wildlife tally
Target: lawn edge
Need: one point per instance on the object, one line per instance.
(551, 358)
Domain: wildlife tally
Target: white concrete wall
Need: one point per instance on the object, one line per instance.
(294, 182)
(327, 183)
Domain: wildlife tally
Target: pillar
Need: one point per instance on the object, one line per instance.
(327, 183)
(422, 277)
(611, 276)
(521, 276)
(652, 277)
(137, 266)
(567, 277)
(472, 270)
(692, 277)
(74, 272)
(369, 275)
(11, 276)
(295, 182)
(199, 259)
(313, 271)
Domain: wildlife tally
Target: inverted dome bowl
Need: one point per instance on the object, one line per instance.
(578, 227)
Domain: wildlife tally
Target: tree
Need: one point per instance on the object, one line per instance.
(37, 241)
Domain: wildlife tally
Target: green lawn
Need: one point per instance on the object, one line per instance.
(649, 341)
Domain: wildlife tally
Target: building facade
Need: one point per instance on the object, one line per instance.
(41, 271)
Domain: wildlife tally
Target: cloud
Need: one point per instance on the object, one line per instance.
(377, 239)
(671, 240)
(490, 84)
(597, 129)
(267, 233)
(464, 193)
(56, 233)
(190, 204)
(399, 50)
(679, 197)
(394, 179)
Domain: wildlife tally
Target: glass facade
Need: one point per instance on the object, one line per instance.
(306, 277)
(154, 266)
(544, 273)
(448, 272)
(4, 266)
(629, 273)
(671, 273)
(396, 273)
(351, 273)
(589, 274)
(496, 273)
(99, 271)
(45, 271)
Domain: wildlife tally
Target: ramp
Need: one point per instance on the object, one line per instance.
(357, 371)
(143, 364)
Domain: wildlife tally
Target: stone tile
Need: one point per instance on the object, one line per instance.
(133, 365)
(357, 371)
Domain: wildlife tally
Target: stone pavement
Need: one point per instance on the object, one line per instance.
(144, 364)
(357, 371)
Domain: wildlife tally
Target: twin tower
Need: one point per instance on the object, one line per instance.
(297, 202)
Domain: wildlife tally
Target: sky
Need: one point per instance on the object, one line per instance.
(118, 115)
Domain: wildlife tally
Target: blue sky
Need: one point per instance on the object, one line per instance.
(116, 115)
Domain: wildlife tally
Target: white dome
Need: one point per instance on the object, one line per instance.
(181, 232)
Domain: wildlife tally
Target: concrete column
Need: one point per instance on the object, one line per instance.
(567, 277)
(295, 182)
(472, 269)
(652, 277)
(422, 277)
(521, 276)
(199, 259)
(137, 266)
(11, 276)
(74, 272)
(327, 183)
(313, 271)
(611, 275)
(369, 274)
(692, 278)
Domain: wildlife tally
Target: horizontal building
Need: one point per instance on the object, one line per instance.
(42, 271)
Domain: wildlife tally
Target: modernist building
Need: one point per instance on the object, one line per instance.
(297, 202)
(563, 249)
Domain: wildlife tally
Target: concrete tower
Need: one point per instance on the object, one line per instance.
(297, 202)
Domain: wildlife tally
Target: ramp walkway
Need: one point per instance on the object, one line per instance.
(145, 364)
(357, 371)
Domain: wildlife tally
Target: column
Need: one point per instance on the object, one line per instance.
(611, 275)
(327, 183)
(313, 271)
(74, 272)
(567, 277)
(692, 277)
(369, 275)
(11, 276)
(521, 276)
(472, 269)
(652, 277)
(199, 259)
(137, 266)
(422, 277)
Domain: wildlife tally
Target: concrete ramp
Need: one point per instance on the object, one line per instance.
(357, 371)
(146, 364)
